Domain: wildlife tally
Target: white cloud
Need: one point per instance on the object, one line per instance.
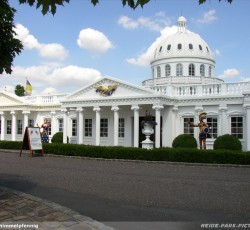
(94, 41)
(155, 23)
(51, 51)
(208, 17)
(46, 79)
(230, 73)
(217, 52)
(145, 58)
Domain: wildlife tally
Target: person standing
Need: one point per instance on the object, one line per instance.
(45, 132)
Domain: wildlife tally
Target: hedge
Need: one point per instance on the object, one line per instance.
(130, 153)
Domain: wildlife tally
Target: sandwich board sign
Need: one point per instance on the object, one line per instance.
(32, 140)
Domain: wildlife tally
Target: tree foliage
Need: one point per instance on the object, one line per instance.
(19, 90)
(9, 45)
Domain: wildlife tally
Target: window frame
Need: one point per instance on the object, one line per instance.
(104, 127)
(121, 128)
(74, 127)
(88, 127)
(213, 125)
(236, 133)
(19, 127)
(188, 129)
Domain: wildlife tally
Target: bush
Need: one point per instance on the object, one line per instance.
(57, 138)
(184, 141)
(227, 141)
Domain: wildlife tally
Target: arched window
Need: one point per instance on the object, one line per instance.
(191, 70)
(160, 49)
(169, 47)
(200, 47)
(202, 70)
(210, 71)
(179, 70)
(167, 70)
(190, 46)
(158, 71)
(179, 46)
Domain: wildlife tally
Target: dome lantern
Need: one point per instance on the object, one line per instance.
(182, 24)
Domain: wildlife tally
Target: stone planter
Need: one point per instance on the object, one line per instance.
(148, 129)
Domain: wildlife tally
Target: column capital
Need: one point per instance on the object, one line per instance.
(26, 112)
(223, 108)
(96, 109)
(198, 108)
(64, 110)
(2, 113)
(80, 110)
(135, 107)
(175, 109)
(53, 113)
(115, 108)
(247, 106)
(157, 107)
(13, 113)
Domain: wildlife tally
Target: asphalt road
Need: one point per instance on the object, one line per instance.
(116, 191)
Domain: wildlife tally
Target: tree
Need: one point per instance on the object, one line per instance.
(10, 46)
(19, 90)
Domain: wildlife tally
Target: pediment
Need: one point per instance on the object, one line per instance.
(9, 99)
(109, 88)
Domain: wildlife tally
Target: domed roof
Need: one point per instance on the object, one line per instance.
(183, 44)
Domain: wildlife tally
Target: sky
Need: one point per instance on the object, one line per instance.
(82, 43)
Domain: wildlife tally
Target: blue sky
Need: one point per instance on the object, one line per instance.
(82, 43)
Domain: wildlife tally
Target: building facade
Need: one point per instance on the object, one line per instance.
(109, 111)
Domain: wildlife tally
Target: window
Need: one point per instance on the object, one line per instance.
(237, 127)
(9, 124)
(167, 70)
(153, 72)
(121, 130)
(179, 70)
(104, 127)
(19, 127)
(60, 125)
(190, 46)
(191, 70)
(158, 71)
(202, 70)
(207, 49)
(210, 71)
(74, 127)
(31, 123)
(213, 127)
(160, 49)
(169, 47)
(187, 128)
(179, 46)
(88, 128)
(200, 47)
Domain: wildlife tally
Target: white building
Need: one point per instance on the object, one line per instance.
(182, 85)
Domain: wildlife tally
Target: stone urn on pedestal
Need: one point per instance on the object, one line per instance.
(148, 129)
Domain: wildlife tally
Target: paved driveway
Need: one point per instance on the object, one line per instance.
(130, 191)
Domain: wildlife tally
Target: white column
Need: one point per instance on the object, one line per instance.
(223, 120)
(2, 126)
(157, 109)
(80, 125)
(25, 119)
(13, 128)
(248, 128)
(116, 124)
(136, 125)
(53, 123)
(65, 124)
(97, 125)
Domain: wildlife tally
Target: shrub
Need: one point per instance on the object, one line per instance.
(184, 141)
(227, 141)
(57, 138)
